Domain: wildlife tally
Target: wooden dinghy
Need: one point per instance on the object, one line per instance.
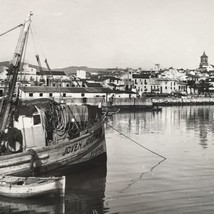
(27, 187)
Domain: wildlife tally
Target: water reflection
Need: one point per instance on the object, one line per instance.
(136, 122)
(181, 184)
(200, 119)
(41, 205)
(85, 191)
(188, 118)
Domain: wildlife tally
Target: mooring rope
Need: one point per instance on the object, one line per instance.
(137, 142)
(141, 176)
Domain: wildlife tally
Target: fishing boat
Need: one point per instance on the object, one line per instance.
(28, 187)
(41, 136)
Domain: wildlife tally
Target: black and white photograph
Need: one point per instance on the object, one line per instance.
(107, 106)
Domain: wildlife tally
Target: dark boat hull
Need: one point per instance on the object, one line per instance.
(69, 154)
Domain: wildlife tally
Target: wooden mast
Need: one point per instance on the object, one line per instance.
(13, 70)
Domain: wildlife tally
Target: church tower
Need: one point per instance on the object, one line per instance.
(204, 61)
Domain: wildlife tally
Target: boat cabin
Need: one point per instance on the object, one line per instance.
(33, 130)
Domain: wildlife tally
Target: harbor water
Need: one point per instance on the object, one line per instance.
(157, 162)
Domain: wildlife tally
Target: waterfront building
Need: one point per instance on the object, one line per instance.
(112, 83)
(171, 86)
(127, 79)
(90, 83)
(78, 95)
(147, 83)
(172, 73)
(48, 78)
(211, 82)
(155, 86)
(192, 80)
(141, 83)
(81, 74)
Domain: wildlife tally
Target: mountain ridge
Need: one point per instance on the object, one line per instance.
(67, 70)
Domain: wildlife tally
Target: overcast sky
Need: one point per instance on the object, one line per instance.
(110, 33)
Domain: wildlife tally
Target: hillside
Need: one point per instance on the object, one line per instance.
(67, 70)
(73, 69)
(5, 63)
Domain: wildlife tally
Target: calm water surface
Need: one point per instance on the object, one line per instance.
(137, 180)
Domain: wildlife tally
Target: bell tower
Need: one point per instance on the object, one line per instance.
(204, 61)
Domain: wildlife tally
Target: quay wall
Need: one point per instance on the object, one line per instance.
(131, 103)
(169, 101)
(139, 103)
(122, 103)
(84, 100)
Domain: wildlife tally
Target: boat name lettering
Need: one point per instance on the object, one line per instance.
(72, 148)
(90, 140)
(97, 151)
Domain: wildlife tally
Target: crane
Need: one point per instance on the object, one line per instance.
(40, 68)
(74, 78)
(49, 69)
(39, 64)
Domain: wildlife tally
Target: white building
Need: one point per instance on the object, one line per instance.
(128, 80)
(169, 86)
(113, 83)
(142, 83)
(53, 78)
(81, 74)
(72, 95)
(145, 83)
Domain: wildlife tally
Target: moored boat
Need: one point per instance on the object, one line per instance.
(42, 136)
(28, 187)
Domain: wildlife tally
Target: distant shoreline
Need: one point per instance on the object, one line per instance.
(151, 103)
(189, 100)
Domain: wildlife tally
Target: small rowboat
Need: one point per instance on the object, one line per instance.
(27, 187)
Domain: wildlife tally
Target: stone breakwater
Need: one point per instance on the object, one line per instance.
(168, 101)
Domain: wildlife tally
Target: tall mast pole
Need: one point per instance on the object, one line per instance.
(14, 69)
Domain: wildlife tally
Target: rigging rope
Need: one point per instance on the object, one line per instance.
(11, 29)
(34, 44)
(33, 32)
(22, 64)
(137, 143)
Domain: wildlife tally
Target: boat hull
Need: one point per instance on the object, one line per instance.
(42, 186)
(71, 153)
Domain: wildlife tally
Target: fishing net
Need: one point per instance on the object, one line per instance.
(60, 121)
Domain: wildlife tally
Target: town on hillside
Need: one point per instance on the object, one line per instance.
(117, 83)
